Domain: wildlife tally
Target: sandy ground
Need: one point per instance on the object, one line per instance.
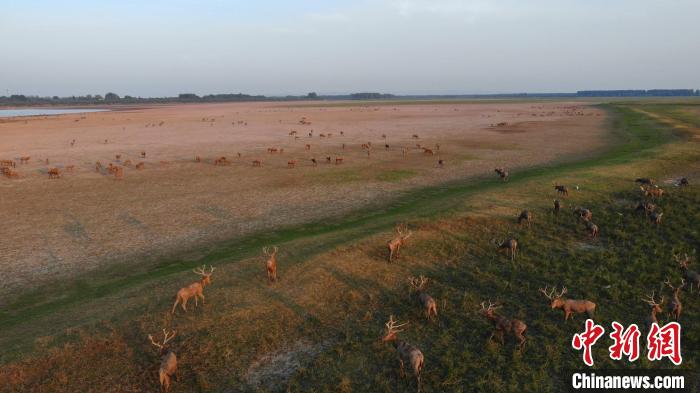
(52, 229)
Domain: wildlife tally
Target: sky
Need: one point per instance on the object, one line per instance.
(155, 48)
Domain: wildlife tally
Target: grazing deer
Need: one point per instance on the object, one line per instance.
(291, 164)
(654, 192)
(557, 206)
(655, 217)
(140, 165)
(415, 136)
(691, 276)
(504, 325)
(429, 304)
(655, 309)
(194, 290)
(593, 229)
(407, 352)
(338, 160)
(561, 189)
(526, 216)
(583, 214)
(502, 173)
(24, 160)
(54, 173)
(168, 360)
(509, 246)
(569, 306)
(257, 163)
(394, 245)
(675, 306)
(645, 181)
(271, 263)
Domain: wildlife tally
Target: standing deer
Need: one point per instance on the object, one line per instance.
(168, 361)
(394, 245)
(656, 217)
(271, 263)
(407, 352)
(583, 214)
(557, 206)
(675, 306)
(509, 246)
(655, 309)
(569, 306)
(257, 163)
(291, 164)
(194, 290)
(691, 276)
(54, 173)
(504, 325)
(338, 160)
(526, 216)
(429, 304)
(654, 192)
(24, 160)
(502, 173)
(561, 189)
(593, 229)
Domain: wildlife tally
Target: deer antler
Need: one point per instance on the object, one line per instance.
(392, 326)
(418, 283)
(202, 270)
(563, 291)
(668, 282)
(650, 299)
(549, 295)
(491, 307)
(166, 338)
(266, 250)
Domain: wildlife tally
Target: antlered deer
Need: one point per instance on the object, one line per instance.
(654, 192)
(168, 360)
(509, 246)
(675, 306)
(502, 173)
(691, 276)
(407, 352)
(504, 325)
(194, 290)
(394, 245)
(569, 306)
(655, 309)
(54, 173)
(429, 304)
(526, 216)
(561, 189)
(271, 262)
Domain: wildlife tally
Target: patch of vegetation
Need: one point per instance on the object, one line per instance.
(395, 176)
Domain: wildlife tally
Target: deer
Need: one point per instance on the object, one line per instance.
(429, 304)
(655, 309)
(24, 160)
(428, 152)
(557, 207)
(502, 173)
(140, 165)
(654, 192)
(307, 147)
(291, 164)
(195, 289)
(271, 263)
(338, 160)
(8, 163)
(691, 276)
(593, 229)
(257, 163)
(118, 156)
(675, 306)
(561, 189)
(645, 181)
(54, 173)
(143, 154)
(526, 216)
(440, 162)
(168, 360)
(314, 162)
(407, 352)
(569, 306)
(394, 245)
(583, 214)
(197, 159)
(504, 325)
(646, 207)
(655, 217)
(509, 246)
(118, 172)
(415, 136)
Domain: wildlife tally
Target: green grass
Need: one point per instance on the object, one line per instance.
(452, 248)
(395, 176)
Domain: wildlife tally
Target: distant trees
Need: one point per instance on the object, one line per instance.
(312, 95)
(111, 97)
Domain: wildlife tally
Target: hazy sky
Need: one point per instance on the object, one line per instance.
(165, 47)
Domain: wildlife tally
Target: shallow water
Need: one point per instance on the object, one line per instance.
(43, 112)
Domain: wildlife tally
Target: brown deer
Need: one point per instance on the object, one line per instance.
(168, 360)
(69, 168)
(271, 262)
(338, 160)
(654, 192)
(675, 306)
(691, 276)
(194, 290)
(314, 162)
(8, 163)
(583, 214)
(509, 246)
(429, 304)
(407, 352)
(24, 160)
(415, 136)
(593, 229)
(143, 154)
(502, 173)
(655, 309)
(307, 147)
(291, 164)
(561, 189)
(504, 325)
(428, 151)
(257, 163)
(140, 165)
(656, 217)
(54, 173)
(118, 172)
(569, 306)
(11, 174)
(394, 245)
(557, 206)
(118, 156)
(526, 216)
